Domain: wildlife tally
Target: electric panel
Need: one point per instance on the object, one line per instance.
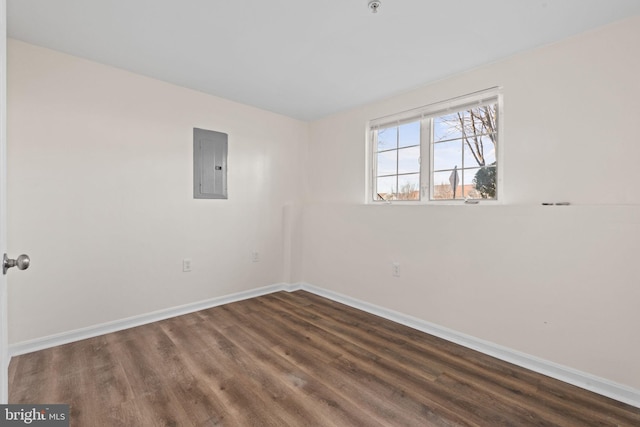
(209, 164)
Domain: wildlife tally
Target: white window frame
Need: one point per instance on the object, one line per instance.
(424, 114)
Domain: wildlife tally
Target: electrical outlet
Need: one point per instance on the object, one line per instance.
(395, 269)
(186, 265)
(255, 256)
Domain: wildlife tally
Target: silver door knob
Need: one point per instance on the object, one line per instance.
(22, 262)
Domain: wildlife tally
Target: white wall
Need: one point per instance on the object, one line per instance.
(100, 194)
(560, 283)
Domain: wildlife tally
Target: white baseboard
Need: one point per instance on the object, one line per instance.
(580, 379)
(572, 376)
(131, 322)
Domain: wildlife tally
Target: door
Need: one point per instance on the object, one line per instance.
(4, 351)
(21, 262)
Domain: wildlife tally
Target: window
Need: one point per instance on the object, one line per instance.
(442, 152)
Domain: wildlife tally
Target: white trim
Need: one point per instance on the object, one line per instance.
(143, 319)
(572, 376)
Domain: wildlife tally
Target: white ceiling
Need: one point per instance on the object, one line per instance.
(305, 59)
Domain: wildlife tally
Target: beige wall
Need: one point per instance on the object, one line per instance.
(100, 194)
(560, 283)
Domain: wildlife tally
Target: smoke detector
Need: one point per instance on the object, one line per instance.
(374, 5)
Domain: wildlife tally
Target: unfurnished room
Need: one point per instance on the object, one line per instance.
(336, 213)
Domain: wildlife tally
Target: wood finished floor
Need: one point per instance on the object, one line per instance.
(295, 359)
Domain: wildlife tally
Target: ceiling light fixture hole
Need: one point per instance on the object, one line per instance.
(374, 5)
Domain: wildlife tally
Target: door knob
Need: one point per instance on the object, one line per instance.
(22, 262)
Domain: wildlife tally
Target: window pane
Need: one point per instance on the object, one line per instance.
(409, 187)
(483, 148)
(484, 182)
(387, 138)
(386, 187)
(447, 155)
(387, 162)
(449, 126)
(409, 160)
(409, 134)
(442, 188)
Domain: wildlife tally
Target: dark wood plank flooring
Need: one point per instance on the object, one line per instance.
(295, 359)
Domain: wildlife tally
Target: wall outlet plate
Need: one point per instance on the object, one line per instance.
(395, 269)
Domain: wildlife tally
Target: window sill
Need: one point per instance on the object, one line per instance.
(437, 203)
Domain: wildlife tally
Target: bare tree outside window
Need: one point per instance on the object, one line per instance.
(468, 137)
